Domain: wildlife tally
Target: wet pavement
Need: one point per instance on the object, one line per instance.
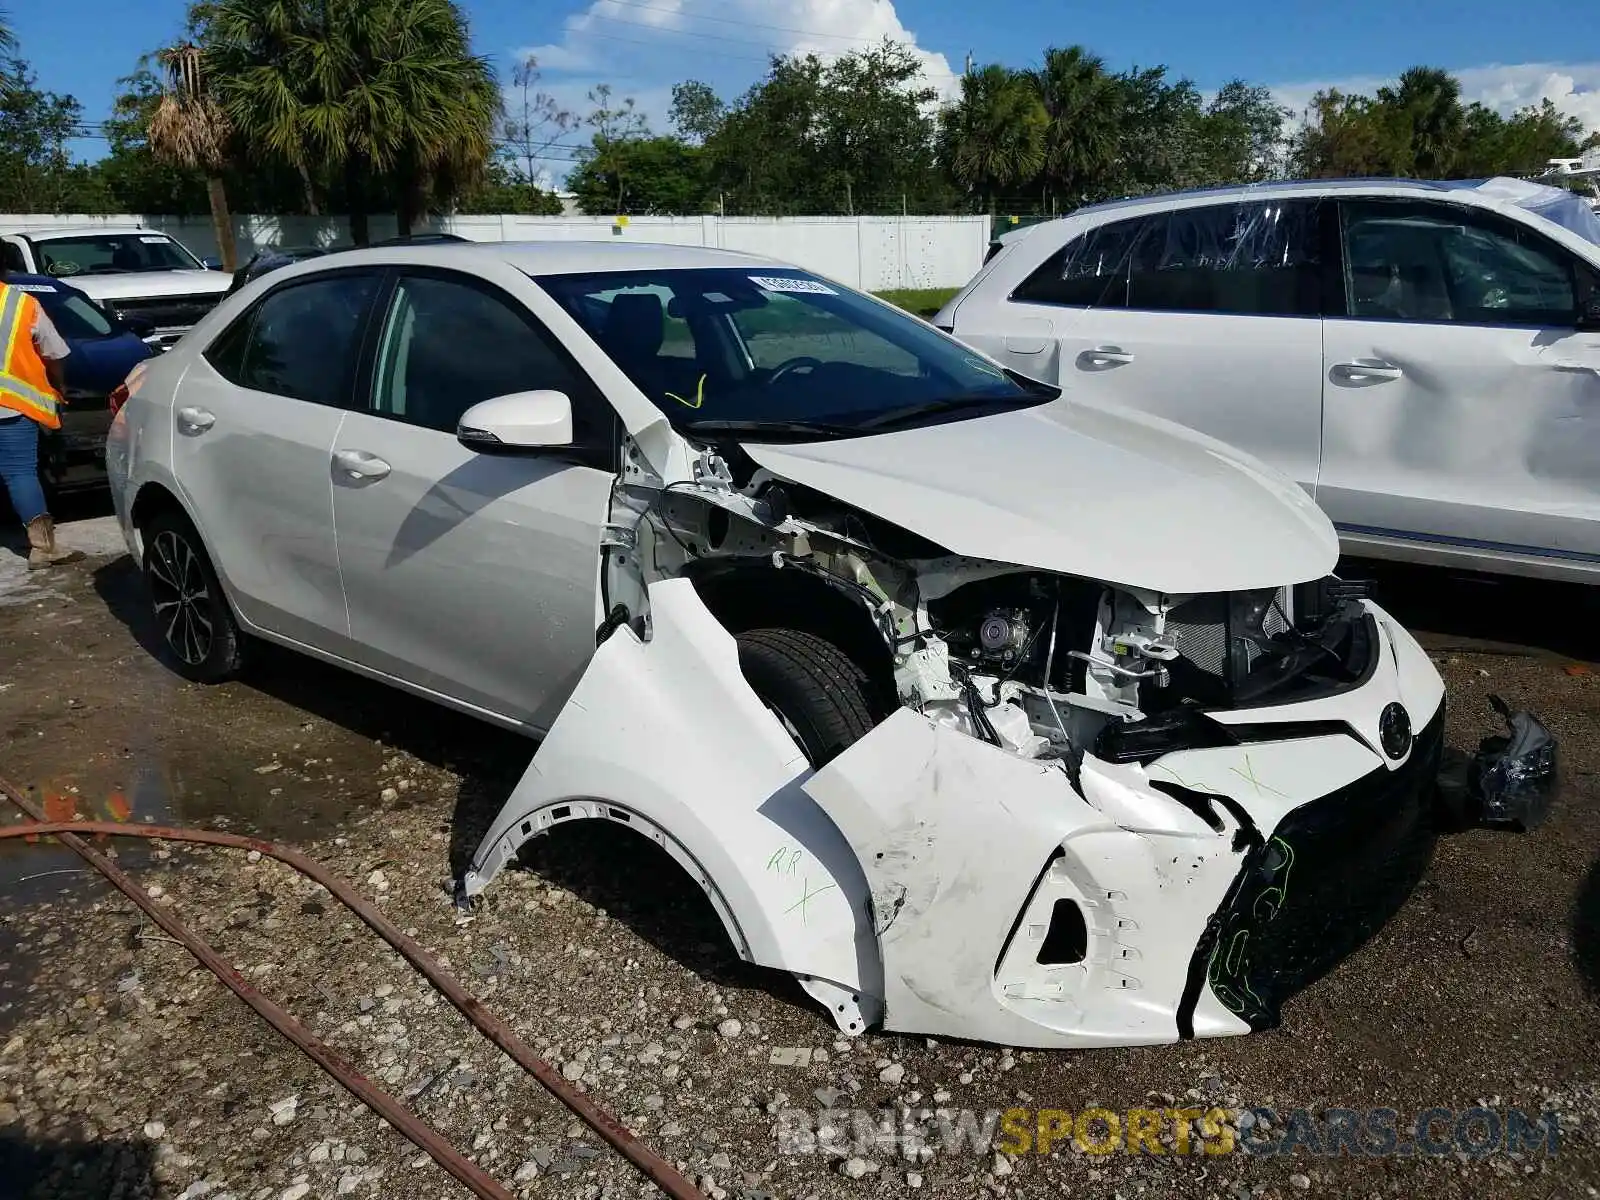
(1485, 986)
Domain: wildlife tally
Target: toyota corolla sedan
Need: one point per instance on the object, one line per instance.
(981, 711)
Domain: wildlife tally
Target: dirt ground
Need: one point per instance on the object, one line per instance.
(127, 1071)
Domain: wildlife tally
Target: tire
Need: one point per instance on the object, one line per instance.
(193, 618)
(812, 685)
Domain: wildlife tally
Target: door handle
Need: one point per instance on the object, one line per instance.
(197, 419)
(358, 464)
(1105, 356)
(1374, 369)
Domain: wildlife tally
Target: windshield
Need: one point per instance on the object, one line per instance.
(74, 315)
(776, 352)
(113, 254)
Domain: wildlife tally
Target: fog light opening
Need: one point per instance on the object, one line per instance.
(1067, 940)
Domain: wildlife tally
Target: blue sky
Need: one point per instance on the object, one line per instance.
(1506, 55)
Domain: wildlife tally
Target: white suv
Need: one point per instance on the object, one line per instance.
(1423, 358)
(135, 272)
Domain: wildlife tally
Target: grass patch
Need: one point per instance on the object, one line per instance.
(924, 302)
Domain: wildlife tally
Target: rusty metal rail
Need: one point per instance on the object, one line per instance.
(650, 1164)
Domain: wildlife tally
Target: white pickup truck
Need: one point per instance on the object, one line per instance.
(135, 272)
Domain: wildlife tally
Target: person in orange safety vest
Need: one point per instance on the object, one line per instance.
(31, 382)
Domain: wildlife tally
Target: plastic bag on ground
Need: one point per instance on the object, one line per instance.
(1513, 775)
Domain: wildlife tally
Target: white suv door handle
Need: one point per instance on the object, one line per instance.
(197, 419)
(358, 464)
(1105, 356)
(1368, 368)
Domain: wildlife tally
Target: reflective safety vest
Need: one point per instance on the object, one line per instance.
(24, 385)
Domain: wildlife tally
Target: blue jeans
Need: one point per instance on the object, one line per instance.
(19, 467)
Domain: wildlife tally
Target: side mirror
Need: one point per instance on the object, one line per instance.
(520, 421)
(211, 262)
(141, 327)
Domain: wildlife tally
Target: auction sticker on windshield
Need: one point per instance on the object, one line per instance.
(154, 241)
(776, 283)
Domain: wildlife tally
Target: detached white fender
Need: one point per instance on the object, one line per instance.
(667, 738)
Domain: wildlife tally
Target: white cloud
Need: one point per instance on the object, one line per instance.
(643, 47)
(1574, 88)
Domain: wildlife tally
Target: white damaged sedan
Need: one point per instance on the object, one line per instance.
(981, 711)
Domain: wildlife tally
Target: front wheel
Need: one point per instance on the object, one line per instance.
(820, 695)
(193, 617)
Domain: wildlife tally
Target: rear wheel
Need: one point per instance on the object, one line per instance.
(193, 617)
(823, 698)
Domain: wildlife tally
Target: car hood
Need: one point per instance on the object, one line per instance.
(141, 285)
(1075, 488)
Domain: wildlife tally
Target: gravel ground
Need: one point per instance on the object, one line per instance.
(127, 1071)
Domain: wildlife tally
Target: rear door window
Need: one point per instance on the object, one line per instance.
(1256, 258)
(301, 341)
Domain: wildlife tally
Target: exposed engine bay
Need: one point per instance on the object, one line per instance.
(1044, 666)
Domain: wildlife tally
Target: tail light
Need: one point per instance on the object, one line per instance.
(117, 398)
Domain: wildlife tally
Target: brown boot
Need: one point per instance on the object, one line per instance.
(42, 548)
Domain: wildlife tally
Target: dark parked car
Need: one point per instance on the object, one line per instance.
(104, 349)
(270, 258)
(421, 239)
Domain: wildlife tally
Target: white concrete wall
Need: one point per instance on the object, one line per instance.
(872, 253)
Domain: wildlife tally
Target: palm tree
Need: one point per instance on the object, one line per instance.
(189, 128)
(995, 133)
(1427, 104)
(364, 90)
(1084, 104)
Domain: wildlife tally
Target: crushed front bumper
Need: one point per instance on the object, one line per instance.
(1332, 874)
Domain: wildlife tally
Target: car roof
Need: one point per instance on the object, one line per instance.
(49, 232)
(1274, 188)
(565, 257)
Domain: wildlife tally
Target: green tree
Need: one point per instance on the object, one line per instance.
(1522, 144)
(652, 176)
(697, 111)
(504, 190)
(1425, 113)
(381, 96)
(1342, 137)
(1159, 138)
(1419, 127)
(852, 135)
(138, 181)
(993, 136)
(36, 173)
(1084, 104)
(1241, 136)
(618, 126)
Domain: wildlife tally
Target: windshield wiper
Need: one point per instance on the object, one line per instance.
(760, 429)
(951, 404)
